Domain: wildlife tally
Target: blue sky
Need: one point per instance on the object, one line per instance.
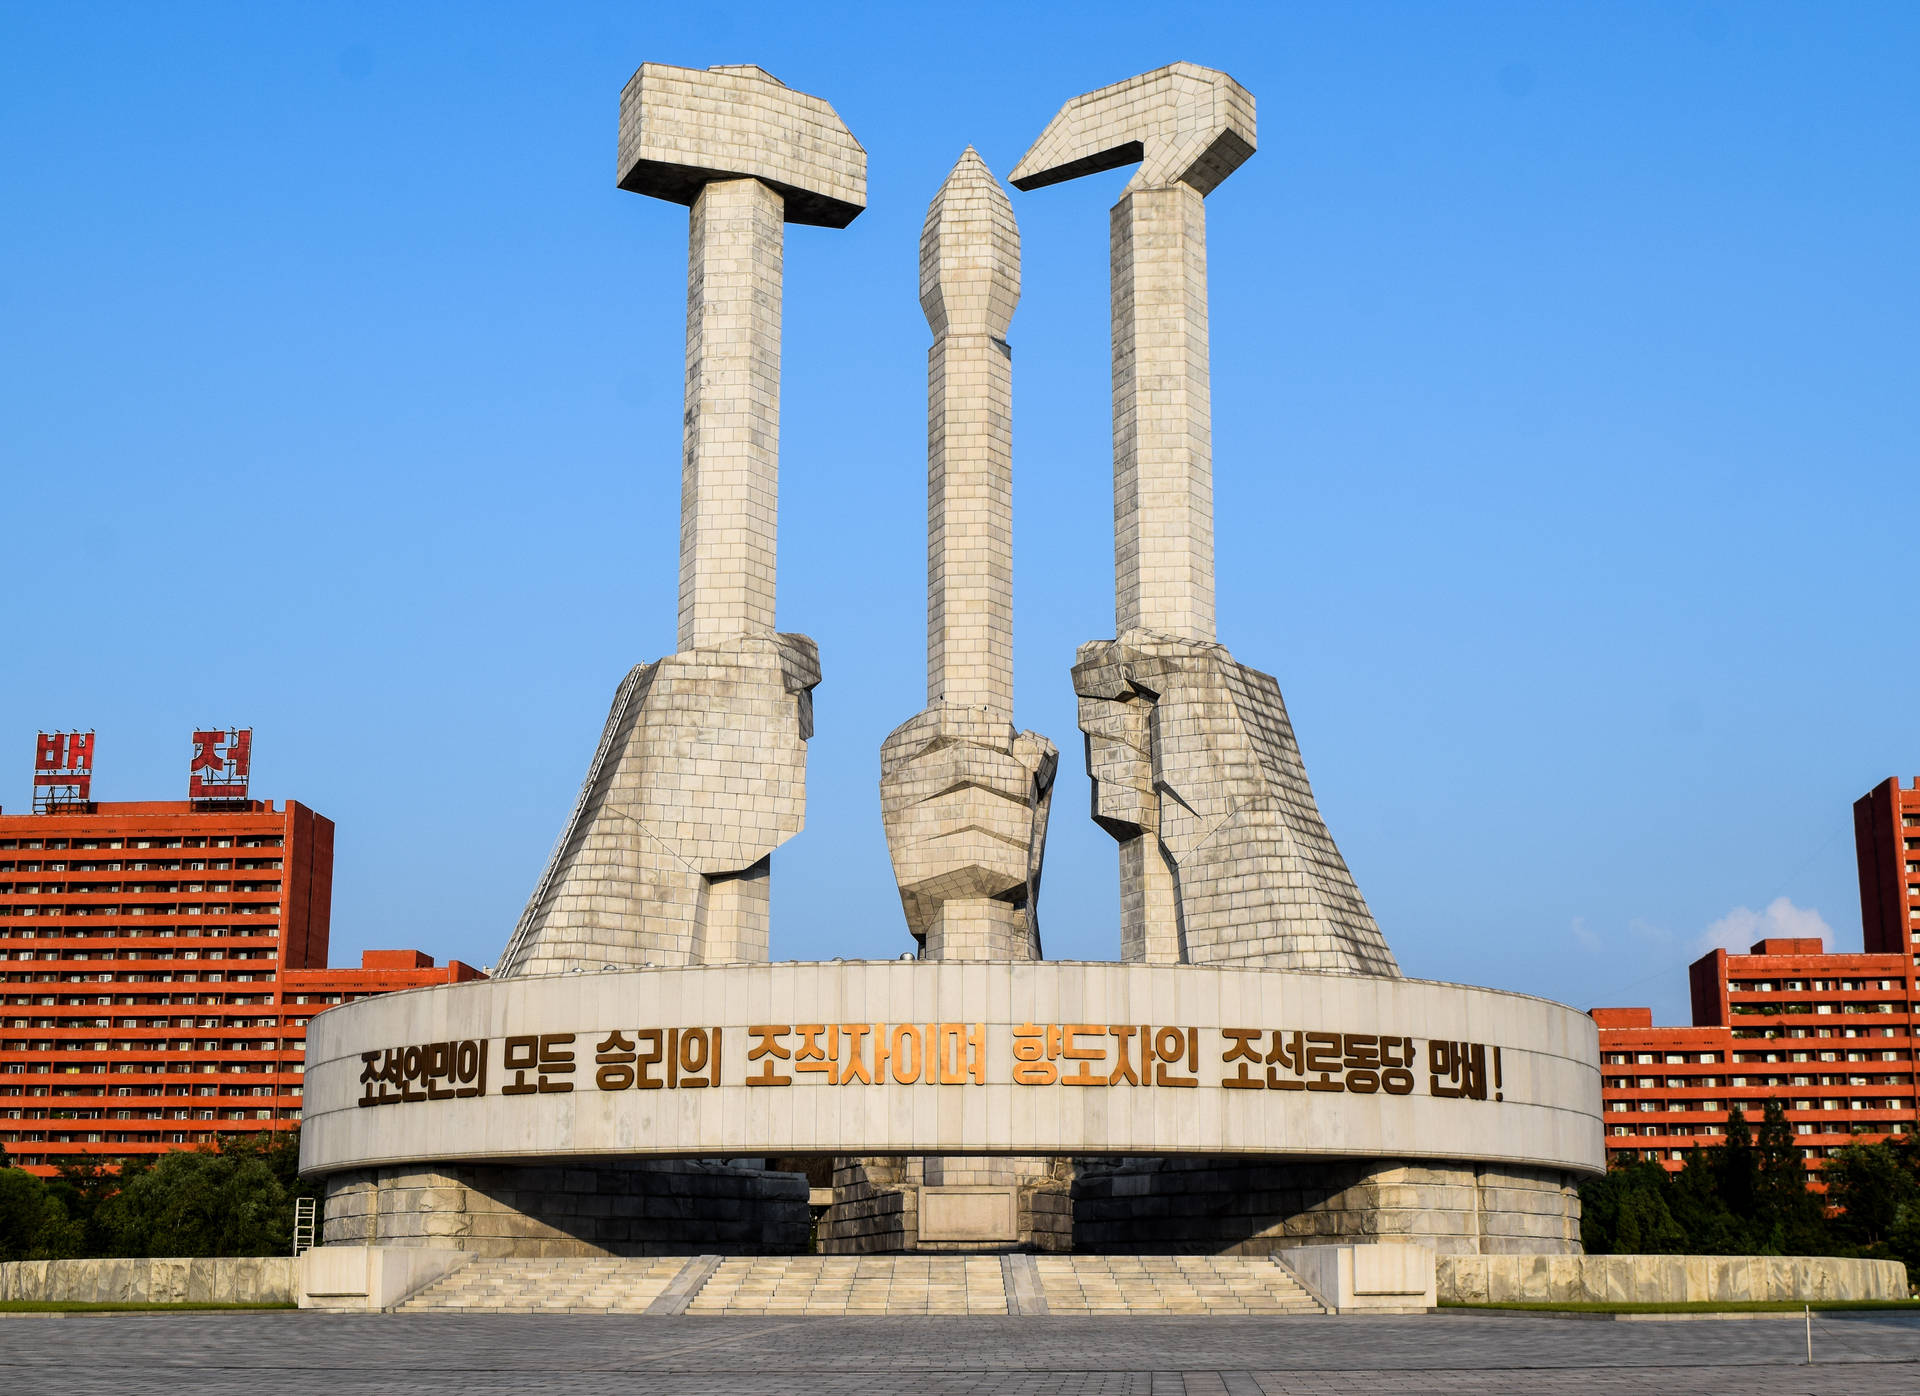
(1564, 422)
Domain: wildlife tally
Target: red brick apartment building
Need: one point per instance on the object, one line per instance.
(1830, 1035)
(159, 964)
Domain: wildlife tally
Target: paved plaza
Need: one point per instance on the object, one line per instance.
(294, 1354)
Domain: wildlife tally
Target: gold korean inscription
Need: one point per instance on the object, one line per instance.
(1143, 1055)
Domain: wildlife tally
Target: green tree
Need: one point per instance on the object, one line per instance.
(33, 1224)
(1700, 1211)
(1627, 1212)
(1872, 1185)
(200, 1202)
(83, 1183)
(1903, 1236)
(1737, 1169)
(1792, 1219)
(282, 1154)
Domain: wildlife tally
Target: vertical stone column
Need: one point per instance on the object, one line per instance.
(730, 472)
(1162, 414)
(970, 518)
(735, 916)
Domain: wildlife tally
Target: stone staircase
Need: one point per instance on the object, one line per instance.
(847, 1284)
(1171, 1284)
(600, 1285)
(819, 1285)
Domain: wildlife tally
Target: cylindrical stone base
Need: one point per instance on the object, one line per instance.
(630, 1209)
(1226, 1206)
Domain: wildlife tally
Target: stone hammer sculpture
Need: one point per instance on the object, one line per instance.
(701, 770)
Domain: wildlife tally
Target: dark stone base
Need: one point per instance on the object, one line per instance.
(1225, 1206)
(877, 1204)
(1137, 1206)
(631, 1209)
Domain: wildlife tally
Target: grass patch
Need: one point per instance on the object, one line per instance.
(117, 1306)
(1755, 1306)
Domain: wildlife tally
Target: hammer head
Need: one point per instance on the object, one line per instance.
(1183, 123)
(684, 128)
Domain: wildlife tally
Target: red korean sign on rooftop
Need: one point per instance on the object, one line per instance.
(62, 770)
(222, 764)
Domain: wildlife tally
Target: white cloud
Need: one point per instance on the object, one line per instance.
(1740, 928)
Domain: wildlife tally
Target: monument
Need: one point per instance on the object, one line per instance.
(1253, 1075)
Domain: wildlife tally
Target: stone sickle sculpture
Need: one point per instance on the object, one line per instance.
(964, 797)
(701, 770)
(1224, 858)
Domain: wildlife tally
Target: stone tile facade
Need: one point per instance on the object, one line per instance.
(730, 458)
(1162, 414)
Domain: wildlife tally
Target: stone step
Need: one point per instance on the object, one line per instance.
(1080, 1285)
(827, 1285)
(587, 1285)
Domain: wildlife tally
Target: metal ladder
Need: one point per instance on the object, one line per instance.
(305, 1220)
